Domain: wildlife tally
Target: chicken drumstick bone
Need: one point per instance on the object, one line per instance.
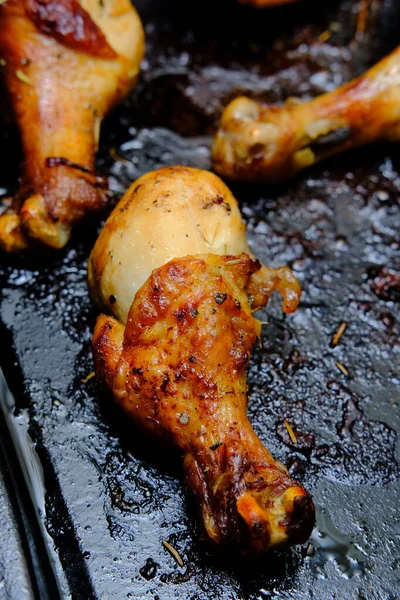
(176, 361)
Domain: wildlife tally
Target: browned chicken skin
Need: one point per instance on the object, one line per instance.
(66, 63)
(178, 369)
(257, 141)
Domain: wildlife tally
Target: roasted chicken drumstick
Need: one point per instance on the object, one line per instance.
(263, 142)
(66, 63)
(176, 360)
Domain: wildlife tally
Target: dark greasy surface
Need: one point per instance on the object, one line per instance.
(111, 496)
(25, 563)
(14, 568)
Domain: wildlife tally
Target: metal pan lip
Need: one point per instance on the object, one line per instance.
(22, 477)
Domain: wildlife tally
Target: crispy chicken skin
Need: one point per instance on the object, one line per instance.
(178, 370)
(257, 141)
(66, 63)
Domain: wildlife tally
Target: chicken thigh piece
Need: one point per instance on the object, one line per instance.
(262, 142)
(175, 362)
(65, 64)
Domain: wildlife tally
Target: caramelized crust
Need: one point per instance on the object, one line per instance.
(64, 70)
(257, 141)
(70, 24)
(178, 370)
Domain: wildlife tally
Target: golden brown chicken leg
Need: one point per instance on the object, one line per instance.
(66, 63)
(178, 366)
(257, 141)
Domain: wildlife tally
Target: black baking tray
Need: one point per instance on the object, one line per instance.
(85, 500)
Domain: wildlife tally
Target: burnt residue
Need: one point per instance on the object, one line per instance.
(385, 283)
(149, 570)
(113, 496)
(328, 142)
(68, 22)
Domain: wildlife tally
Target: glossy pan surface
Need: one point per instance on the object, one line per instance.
(109, 497)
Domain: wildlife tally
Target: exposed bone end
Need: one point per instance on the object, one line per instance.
(273, 522)
(249, 135)
(241, 109)
(256, 510)
(39, 225)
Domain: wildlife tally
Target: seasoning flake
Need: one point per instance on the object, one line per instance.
(89, 377)
(290, 431)
(342, 368)
(23, 77)
(325, 35)
(336, 338)
(173, 552)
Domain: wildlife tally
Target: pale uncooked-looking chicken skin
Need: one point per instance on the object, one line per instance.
(265, 142)
(173, 265)
(66, 63)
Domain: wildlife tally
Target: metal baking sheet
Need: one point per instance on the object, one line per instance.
(104, 497)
